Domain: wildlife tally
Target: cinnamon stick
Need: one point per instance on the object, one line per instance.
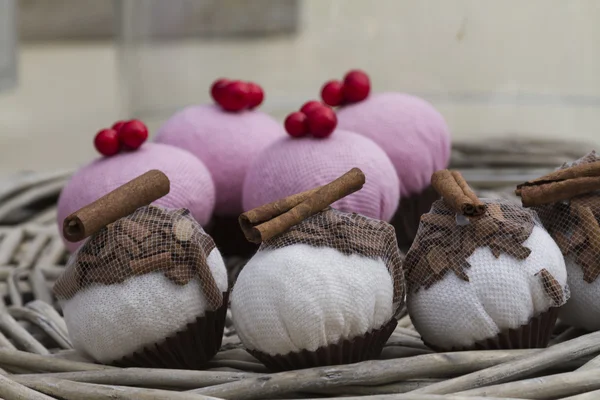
(546, 193)
(456, 193)
(275, 220)
(578, 171)
(117, 204)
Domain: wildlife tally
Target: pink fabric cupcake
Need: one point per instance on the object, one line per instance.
(293, 165)
(226, 142)
(191, 184)
(416, 138)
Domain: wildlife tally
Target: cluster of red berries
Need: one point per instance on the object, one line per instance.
(122, 136)
(354, 88)
(314, 118)
(236, 95)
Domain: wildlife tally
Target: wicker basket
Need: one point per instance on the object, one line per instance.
(37, 360)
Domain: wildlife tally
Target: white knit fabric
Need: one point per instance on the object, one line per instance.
(108, 322)
(300, 297)
(502, 293)
(583, 308)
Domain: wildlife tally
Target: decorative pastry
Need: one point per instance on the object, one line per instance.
(191, 184)
(482, 274)
(227, 137)
(411, 131)
(568, 203)
(148, 288)
(315, 154)
(325, 287)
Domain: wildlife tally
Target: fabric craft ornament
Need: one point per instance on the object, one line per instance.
(568, 203)
(413, 134)
(226, 136)
(148, 288)
(295, 164)
(326, 287)
(191, 184)
(482, 274)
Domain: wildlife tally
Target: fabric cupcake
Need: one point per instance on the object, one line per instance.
(414, 135)
(482, 274)
(227, 139)
(146, 290)
(327, 290)
(568, 203)
(191, 184)
(301, 162)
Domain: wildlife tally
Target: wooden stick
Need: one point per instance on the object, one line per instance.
(515, 369)
(400, 387)
(146, 377)
(36, 362)
(43, 323)
(595, 395)
(553, 386)
(418, 397)
(19, 334)
(117, 204)
(593, 363)
(69, 390)
(11, 390)
(343, 186)
(456, 193)
(364, 373)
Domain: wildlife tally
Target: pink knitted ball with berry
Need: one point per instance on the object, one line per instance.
(412, 132)
(292, 165)
(227, 142)
(191, 184)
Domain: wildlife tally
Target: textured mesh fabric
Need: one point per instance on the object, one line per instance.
(334, 276)
(574, 225)
(191, 185)
(226, 142)
(411, 131)
(469, 280)
(139, 280)
(291, 166)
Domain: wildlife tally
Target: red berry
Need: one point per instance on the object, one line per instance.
(106, 142)
(310, 106)
(132, 134)
(235, 96)
(216, 90)
(256, 95)
(332, 93)
(322, 122)
(356, 86)
(296, 124)
(118, 125)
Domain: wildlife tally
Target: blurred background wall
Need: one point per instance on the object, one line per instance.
(492, 67)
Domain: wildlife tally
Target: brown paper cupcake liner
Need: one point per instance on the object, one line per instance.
(407, 217)
(367, 347)
(535, 334)
(190, 348)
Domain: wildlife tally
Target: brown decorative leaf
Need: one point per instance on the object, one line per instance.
(552, 287)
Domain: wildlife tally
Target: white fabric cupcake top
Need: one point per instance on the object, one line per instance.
(502, 293)
(108, 322)
(301, 297)
(583, 308)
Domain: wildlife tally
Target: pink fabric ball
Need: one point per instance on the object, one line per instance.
(191, 184)
(291, 166)
(411, 131)
(226, 142)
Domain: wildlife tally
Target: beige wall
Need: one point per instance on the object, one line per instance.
(490, 66)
